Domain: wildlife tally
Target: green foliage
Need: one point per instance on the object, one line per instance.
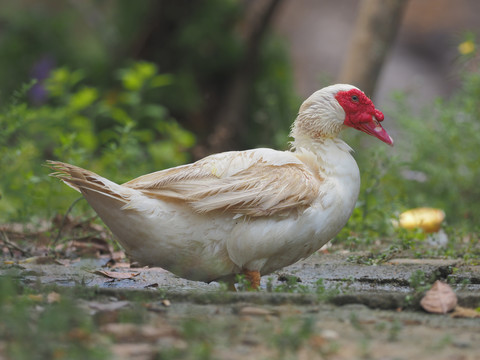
(324, 293)
(443, 146)
(435, 163)
(292, 284)
(419, 283)
(119, 133)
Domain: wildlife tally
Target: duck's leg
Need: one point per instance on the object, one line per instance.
(253, 276)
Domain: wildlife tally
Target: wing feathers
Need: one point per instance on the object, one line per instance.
(241, 183)
(254, 183)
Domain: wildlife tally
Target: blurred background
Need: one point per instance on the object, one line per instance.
(124, 88)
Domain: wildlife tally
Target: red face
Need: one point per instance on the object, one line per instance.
(360, 114)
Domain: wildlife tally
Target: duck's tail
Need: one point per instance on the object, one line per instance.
(87, 182)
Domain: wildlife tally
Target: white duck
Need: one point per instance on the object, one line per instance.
(241, 212)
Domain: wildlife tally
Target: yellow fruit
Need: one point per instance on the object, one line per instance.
(428, 219)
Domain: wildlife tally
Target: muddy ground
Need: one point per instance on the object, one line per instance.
(354, 312)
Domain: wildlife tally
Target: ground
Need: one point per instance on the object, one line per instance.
(326, 307)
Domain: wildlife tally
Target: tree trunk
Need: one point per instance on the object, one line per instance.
(377, 24)
(230, 118)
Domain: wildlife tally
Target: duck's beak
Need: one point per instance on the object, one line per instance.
(375, 129)
(372, 126)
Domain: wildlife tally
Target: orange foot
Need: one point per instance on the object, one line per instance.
(253, 276)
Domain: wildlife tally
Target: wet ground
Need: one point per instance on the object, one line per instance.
(327, 306)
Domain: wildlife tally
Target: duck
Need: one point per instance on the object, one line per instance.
(241, 213)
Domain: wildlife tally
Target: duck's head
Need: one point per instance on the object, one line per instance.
(329, 110)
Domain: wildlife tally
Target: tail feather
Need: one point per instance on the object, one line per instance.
(84, 180)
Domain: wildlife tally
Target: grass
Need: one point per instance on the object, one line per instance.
(34, 326)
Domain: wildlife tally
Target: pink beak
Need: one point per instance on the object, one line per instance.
(374, 128)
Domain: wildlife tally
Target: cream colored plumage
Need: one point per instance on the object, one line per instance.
(241, 211)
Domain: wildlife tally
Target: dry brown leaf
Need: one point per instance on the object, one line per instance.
(64, 262)
(133, 332)
(118, 255)
(461, 312)
(38, 297)
(255, 311)
(78, 334)
(440, 299)
(133, 351)
(94, 244)
(39, 260)
(124, 265)
(109, 306)
(115, 275)
(317, 341)
(166, 303)
(87, 246)
(53, 297)
(150, 286)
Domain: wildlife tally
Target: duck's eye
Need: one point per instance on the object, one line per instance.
(354, 98)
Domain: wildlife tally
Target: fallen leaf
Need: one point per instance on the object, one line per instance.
(123, 265)
(104, 312)
(461, 312)
(330, 334)
(133, 351)
(38, 297)
(110, 263)
(53, 297)
(154, 285)
(134, 333)
(115, 275)
(440, 299)
(105, 317)
(166, 303)
(317, 341)
(39, 260)
(64, 262)
(78, 334)
(118, 255)
(255, 311)
(110, 306)
(88, 246)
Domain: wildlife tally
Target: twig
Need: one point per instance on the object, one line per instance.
(10, 244)
(64, 220)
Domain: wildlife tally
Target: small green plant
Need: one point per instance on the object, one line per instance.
(364, 343)
(292, 285)
(243, 284)
(419, 283)
(292, 334)
(200, 340)
(325, 293)
(33, 328)
(394, 330)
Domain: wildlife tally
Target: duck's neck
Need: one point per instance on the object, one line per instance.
(320, 145)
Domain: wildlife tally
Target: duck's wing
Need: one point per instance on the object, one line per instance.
(257, 182)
